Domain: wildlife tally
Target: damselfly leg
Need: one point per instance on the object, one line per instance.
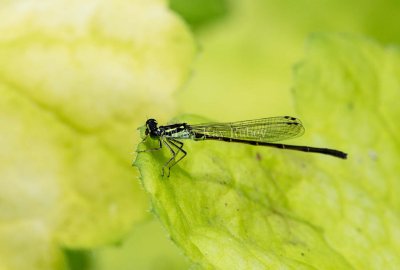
(180, 149)
(174, 147)
(172, 144)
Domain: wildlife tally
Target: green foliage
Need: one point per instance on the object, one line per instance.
(232, 206)
(79, 259)
(199, 13)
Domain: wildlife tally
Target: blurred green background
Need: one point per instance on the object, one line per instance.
(69, 197)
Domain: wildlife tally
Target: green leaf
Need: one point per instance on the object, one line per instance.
(231, 206)
(74, 81)
(353, 85)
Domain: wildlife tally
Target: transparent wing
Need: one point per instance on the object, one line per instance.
(264, 130)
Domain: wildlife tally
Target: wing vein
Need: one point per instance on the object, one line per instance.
(264, 130)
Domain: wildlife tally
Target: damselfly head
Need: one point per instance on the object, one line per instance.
(151, 127)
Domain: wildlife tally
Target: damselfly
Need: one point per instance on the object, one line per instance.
(262, 132)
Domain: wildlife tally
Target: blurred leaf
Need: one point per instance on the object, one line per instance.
(146, 248)
(231, 206)
(246, 58)
(198, 13)
(79, 259)
(76, 80)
